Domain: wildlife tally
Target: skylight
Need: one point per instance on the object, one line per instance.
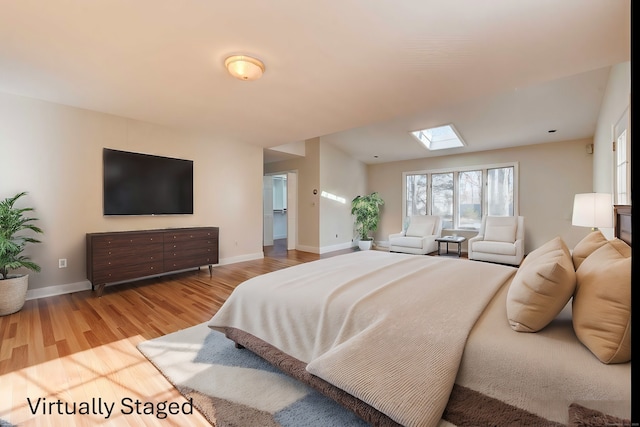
(439, 138)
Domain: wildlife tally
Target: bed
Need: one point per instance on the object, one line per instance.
(424, 341)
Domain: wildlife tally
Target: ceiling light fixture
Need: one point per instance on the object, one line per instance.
(244, 67)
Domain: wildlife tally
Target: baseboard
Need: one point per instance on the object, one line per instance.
(241, 258)
(68, 288)
(311, 249)
(51, 291)
(325, 249)
(338, 247)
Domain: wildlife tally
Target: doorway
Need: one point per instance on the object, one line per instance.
(280, 203)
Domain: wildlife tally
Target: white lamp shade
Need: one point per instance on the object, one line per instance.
(593, 210)
(244, 67)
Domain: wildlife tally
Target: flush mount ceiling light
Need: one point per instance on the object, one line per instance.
(244, 67)
(439, 138)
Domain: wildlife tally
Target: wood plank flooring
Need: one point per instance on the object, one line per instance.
(77, 348)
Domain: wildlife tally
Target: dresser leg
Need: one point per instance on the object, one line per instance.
(210, 270)
(100, 290)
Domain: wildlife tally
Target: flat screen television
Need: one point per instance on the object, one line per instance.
(144, 184)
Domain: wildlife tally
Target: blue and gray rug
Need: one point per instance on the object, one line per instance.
(233, 387)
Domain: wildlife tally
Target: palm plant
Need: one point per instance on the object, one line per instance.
(366, 210)
(12, 222)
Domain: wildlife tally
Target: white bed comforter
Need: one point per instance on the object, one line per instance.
(388, 328)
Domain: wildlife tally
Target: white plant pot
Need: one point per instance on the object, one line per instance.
(365, 245)
(13, 292)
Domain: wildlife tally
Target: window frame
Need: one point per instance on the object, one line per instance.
(456, 170)
(620, 128)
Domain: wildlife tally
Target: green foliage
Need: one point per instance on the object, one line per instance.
(366, 210)
(12, 222)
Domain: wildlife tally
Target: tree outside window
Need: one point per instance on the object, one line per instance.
(416, 193)
(470, 199)
(500, 191)
(442, 197)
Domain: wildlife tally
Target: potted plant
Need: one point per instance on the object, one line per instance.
(366, 210)
(13, 287)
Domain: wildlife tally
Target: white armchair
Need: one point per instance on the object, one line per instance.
(420, 236)
(501, 240)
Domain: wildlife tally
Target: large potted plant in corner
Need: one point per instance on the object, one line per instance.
(366, 210)
(13, 222)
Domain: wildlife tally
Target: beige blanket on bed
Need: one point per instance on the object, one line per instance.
(388, 328)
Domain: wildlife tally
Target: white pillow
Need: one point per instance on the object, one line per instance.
(501, 228)
(421, 226)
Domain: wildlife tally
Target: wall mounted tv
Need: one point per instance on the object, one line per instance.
(144, 184)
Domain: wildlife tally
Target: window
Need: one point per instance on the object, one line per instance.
(470, 199)
(500, 191)
(622, 166)
(439, 138)
(442, 197)
(416, 194)
(461, 197)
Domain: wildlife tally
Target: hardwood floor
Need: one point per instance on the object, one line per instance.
(77, 348)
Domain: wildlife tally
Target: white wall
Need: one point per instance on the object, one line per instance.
(346, 178)
(615, 101)
(55, 153)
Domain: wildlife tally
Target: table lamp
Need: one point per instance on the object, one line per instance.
(593, 210)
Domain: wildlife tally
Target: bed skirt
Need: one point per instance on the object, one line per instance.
(466, 407)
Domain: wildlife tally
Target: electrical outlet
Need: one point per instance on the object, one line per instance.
(62, 263)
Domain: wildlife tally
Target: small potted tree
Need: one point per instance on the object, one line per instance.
(13, 287)
(366, 210)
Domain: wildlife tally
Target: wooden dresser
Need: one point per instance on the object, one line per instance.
(127, 255)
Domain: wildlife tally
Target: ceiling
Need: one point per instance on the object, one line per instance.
(359, 73)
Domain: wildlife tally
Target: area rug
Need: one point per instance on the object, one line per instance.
(235, 388)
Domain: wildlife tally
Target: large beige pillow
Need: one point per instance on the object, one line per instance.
(541, 288)
(586, 246)
(602, 302)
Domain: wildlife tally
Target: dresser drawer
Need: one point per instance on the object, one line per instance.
(121, 256)
(189, 253)
(109, 275)
(131, 240)
(186, 245)
(184, 263)
(190, 234)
